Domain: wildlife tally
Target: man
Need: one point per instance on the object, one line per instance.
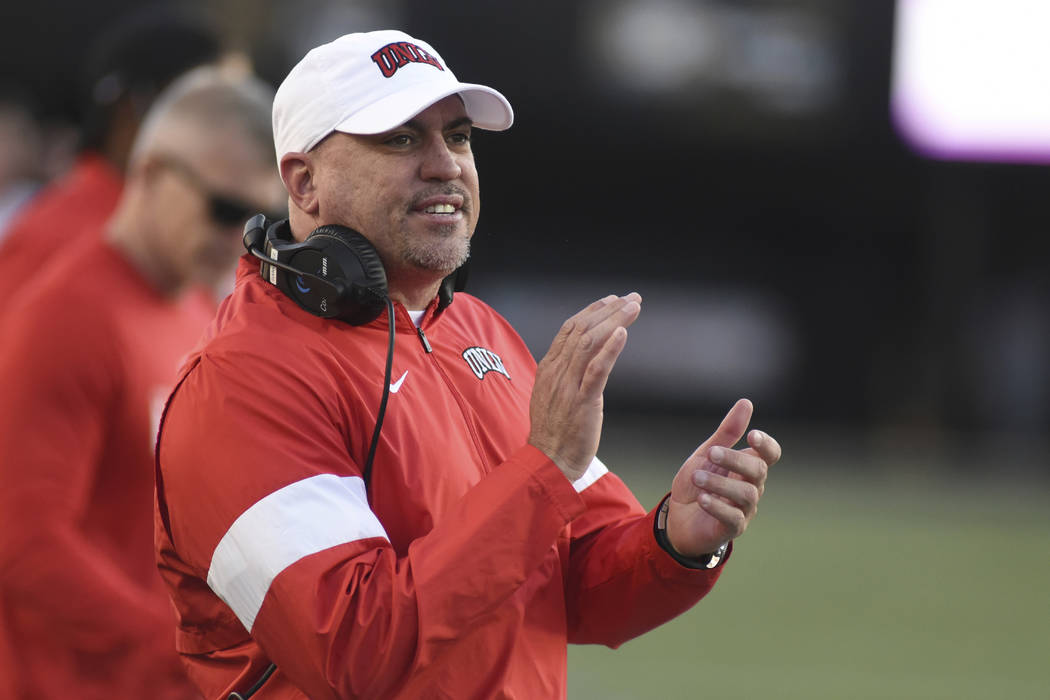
(89, 353)
(126, 68)
(458, 553)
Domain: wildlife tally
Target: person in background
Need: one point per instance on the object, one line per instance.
(20, 153)
(125, 69)
(345, 516)
(89, 353)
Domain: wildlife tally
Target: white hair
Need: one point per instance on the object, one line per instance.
(210, 100)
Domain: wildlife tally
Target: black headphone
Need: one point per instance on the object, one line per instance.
(334, 273)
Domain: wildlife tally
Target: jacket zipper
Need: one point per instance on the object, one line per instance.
(423, 339)
(471, 428)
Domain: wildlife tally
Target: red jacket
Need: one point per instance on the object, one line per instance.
(89, 353)
(464, 569)
(57, 219)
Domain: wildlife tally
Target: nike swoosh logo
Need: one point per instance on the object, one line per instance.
(396, 386)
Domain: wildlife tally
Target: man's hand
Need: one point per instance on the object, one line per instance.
(716, 492)
(566, 407)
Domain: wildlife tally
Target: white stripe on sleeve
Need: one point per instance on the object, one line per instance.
(296, 521)
(595, 471)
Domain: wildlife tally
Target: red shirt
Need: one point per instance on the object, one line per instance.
(56, 220)
(88, 356)
(464, 568)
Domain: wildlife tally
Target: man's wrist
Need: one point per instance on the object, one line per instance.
(704, 561)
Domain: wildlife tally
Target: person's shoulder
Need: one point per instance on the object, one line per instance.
(468, 304)
(257, 322)
(73, 288)
(83, 196)
(469, 311)
(259, 357)
(63, 322)
(92, 182)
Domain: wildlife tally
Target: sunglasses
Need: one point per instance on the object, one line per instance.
(223, 209)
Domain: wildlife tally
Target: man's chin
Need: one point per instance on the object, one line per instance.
(439, 262)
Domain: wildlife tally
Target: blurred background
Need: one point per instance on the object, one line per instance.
(838, 208)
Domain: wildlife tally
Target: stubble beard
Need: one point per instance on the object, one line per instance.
(445, 249)
(446, 255)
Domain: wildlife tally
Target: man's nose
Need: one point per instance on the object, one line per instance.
(439, 162)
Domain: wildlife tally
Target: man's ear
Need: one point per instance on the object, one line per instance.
(297, 174)
(146, 168)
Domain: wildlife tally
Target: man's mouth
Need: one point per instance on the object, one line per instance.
(448, 203)
(439, 209)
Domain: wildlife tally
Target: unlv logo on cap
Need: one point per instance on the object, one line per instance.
(400, 53)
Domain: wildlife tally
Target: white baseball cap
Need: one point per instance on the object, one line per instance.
(368, 83)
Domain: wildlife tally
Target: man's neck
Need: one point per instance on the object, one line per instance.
(414, 297)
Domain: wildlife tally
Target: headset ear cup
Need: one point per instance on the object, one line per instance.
(363, 250)
(357, 265)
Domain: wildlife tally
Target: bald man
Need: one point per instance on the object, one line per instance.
(125, 67)
(89, 354)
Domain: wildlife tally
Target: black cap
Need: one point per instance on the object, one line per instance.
(137, 57)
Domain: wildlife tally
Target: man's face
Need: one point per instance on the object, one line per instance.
(412, 191)
(204, 196)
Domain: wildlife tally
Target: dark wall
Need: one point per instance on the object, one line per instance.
(912, 285)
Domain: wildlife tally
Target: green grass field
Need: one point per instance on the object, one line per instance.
(856, 582)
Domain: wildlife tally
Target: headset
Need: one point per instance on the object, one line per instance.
(335, 273)
(347, 281)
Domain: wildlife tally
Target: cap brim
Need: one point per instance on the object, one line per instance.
(487, 108)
